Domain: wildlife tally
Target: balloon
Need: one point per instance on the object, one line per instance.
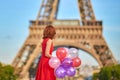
(72, 53)
(61, 53)
(76, 62)
(66, 49)
(70, 71)
(67, 62)
(60, 72)
(54, 62)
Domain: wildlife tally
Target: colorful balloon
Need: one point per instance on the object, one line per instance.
(61, 53)
(67, 62)
(66, 49)
(70, 71)
(72, 53)
(76, 62)
(60, 72)
(54, 62)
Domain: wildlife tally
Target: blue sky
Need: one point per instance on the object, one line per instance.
(16, 14)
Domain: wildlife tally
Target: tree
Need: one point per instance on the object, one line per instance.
(95, 76)
(108, 73)
(7, 72)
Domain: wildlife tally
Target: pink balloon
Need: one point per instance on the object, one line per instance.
(54, 62)
(61, 53)
(66, 49)
(76, 62)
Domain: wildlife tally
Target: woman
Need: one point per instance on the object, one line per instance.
(44, 71)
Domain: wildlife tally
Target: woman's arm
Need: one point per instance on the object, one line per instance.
(48, 46)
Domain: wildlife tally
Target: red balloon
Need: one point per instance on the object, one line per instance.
(61, 53)
(76, 62)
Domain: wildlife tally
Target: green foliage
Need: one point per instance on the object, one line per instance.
(95, 76)
(7, 72)
(108, 73)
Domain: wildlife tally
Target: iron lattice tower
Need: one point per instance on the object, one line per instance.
(85, 34)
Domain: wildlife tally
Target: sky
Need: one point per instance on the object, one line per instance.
(16, 14)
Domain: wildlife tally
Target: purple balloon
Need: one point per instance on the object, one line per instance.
(67, 62)
(70, 71)
(60, 72)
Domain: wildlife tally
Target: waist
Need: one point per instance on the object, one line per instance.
(44, 57)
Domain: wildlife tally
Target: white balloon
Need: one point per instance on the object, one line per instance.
(72, 53)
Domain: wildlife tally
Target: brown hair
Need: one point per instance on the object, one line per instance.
(49, 32)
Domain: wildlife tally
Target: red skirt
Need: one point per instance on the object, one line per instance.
(44, 71)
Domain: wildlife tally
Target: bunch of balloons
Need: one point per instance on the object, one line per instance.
(65, 62)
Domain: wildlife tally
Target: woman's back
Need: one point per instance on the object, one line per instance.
(44, 71)
(44, 43)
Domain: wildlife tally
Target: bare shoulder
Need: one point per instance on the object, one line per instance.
(49, 41)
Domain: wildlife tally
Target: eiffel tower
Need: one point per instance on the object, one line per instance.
(85, 34)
